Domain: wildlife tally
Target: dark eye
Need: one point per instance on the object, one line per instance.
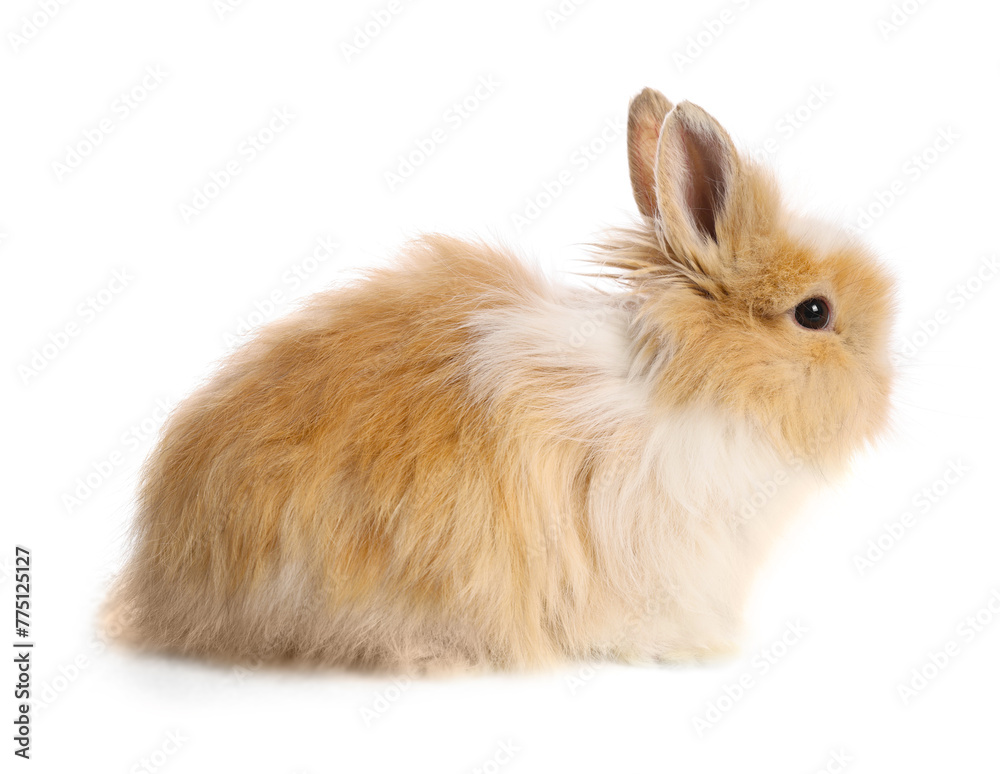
(813, 314)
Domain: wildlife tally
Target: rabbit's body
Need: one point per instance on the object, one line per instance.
(458, 461)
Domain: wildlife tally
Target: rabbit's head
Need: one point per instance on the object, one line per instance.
(743, 305)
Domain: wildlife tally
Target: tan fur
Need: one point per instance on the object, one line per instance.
(456, 462)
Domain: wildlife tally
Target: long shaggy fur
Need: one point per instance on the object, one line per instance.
(458, 462)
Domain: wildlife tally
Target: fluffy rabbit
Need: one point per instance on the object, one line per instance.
(458, 462)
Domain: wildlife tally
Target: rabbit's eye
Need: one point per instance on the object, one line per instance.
(813, 314)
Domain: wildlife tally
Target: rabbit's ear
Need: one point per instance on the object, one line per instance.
(646, 112)
(695, 165)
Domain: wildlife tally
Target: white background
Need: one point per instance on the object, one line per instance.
(886, 85)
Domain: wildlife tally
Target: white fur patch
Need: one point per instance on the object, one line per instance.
(571, 347)
(819, 235)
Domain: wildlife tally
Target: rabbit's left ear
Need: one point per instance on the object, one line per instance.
(646, 112)
(696, 163)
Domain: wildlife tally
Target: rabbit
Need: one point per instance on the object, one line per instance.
(457, 462)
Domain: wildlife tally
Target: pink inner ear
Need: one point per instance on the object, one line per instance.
(708, 167)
